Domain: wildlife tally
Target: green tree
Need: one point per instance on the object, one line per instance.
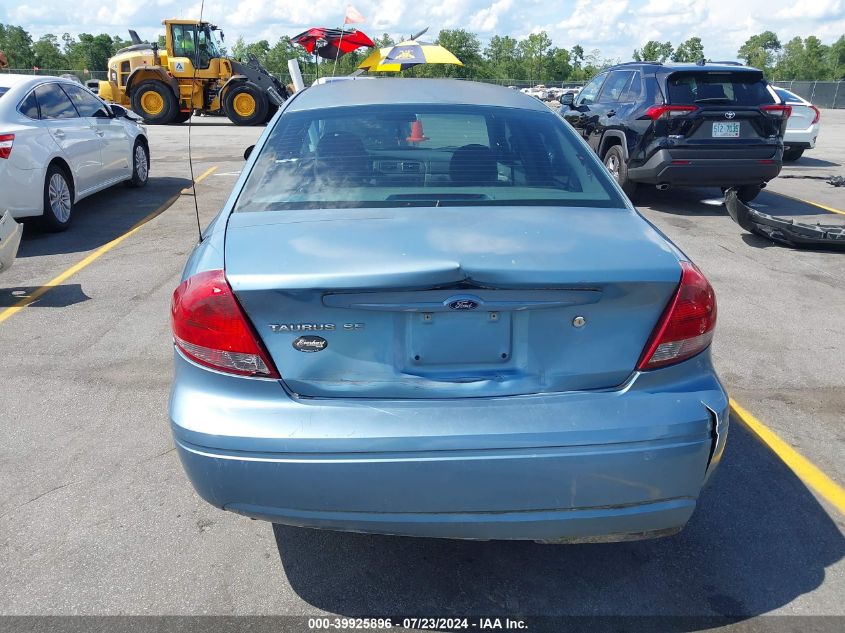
(558, 64)
(654, 51)
(789, 64)
(691, 50)
(576, 55)
(502, 57)
(260, 49)
(91, 52)
(836, 59)
(239, 49)
(806, 59)
(760, 50)
(48, 53)
(118, 43)
(276, 60)
(17, 44)
(533, 49)
(384, 41)
(815, 59)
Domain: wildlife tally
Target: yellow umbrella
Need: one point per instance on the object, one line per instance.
(406, 54)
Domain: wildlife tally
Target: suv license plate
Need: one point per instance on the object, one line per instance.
(726, 130)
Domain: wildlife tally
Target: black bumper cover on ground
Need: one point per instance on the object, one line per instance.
(789, 232)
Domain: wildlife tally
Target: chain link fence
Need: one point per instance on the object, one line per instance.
(822, 94)
(82, 75)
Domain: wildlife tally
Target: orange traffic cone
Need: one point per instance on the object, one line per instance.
(417, 135)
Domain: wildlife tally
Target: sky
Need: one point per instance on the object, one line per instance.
(616, 27)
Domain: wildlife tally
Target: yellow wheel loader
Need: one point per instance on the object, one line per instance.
(190, 76)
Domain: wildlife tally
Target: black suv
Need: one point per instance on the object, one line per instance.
(715, 124)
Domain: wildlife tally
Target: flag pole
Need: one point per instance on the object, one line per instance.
(339, 42)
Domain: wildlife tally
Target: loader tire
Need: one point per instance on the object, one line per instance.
(154, 102)
(271, 112)
(181, 117)
(245, 104)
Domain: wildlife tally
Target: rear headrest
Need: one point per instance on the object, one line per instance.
(473, 165)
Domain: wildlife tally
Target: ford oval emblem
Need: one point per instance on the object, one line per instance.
(730, 115)
(463, 304)
(310, 344)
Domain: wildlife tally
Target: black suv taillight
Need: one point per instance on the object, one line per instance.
(669, 111)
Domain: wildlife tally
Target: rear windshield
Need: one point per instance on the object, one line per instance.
(3, 91)
(427, 155)
(788, 97)
(725, 87)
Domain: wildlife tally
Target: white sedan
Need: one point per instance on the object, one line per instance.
(802, 129)
(59, 143)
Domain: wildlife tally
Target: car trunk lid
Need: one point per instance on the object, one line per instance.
(450, 302)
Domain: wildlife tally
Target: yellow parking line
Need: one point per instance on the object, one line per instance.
(202, 177)
(811, 203)
(92, 257)
(806, 471)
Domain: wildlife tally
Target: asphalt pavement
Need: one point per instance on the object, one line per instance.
(98, 518)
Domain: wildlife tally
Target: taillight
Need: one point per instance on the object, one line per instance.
(668, 111)
(211, 329)
(778, 110)
(6, 142)
(686, 326)
(818, 114)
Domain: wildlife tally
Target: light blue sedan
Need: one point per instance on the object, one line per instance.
(427, 309)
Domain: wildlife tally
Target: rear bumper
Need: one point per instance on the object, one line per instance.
(570, 467)
(710, 172)
(21, 190)
(10, 240)
(805, 138)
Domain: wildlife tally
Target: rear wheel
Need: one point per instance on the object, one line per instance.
(747, 193)
(155, 102)
(793, 153)
(618, 168)
(245, 104)
(58, 199)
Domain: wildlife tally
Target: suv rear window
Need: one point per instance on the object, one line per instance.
(424, 155)
(718, 87)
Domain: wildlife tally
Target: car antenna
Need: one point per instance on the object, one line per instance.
(190, 125)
